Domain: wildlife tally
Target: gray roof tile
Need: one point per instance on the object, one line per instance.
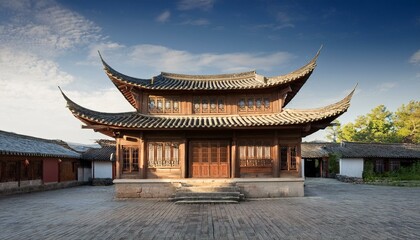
(17, 144)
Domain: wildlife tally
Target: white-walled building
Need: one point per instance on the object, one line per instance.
(102, 159)
(354, 155)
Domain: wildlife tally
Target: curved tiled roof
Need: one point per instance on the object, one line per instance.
(105, 153)
(378, 150)
(22, 145)
(361, 150)
(235, 81)
(142, 121)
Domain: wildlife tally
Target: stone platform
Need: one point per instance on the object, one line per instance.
(250, 187)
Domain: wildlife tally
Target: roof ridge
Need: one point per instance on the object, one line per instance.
(211, 77)
(379, 143)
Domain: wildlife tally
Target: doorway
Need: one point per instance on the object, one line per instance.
(209, 159)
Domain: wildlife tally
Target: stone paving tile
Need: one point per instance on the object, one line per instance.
(331, 210)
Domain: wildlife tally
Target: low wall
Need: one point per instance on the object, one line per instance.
(7, 188)
(250, 187)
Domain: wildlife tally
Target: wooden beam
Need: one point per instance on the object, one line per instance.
(95, 127)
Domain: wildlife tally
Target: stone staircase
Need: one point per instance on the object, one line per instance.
(205, 192)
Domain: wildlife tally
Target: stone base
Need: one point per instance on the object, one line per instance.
(250, 187)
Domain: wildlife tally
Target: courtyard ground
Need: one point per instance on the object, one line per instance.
(330, 210)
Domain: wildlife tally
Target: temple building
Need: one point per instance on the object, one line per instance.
(226, 127)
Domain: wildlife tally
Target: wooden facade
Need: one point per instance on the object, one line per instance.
(209, 126)
(30, 163)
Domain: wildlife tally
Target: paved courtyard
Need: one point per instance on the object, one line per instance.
(331, 210)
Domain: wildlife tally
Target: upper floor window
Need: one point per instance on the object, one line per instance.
(158, 104)
(205, 104)
(254, 104)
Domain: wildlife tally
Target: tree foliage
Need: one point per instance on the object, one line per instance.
(381, 125)
(333, 130)
(407, 122)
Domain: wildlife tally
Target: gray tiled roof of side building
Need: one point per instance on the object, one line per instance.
(105, 153)
(361, 150)
(17, 144)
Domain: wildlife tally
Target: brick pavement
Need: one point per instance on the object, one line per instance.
(331, 210)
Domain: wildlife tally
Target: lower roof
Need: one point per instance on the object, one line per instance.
(138, 121)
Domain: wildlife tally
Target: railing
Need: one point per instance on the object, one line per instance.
(256, 162)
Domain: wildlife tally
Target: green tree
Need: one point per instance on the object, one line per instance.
(333, 131)
(407, 122)
(376, 126)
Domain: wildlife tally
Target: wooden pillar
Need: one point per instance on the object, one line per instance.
(275, 155)
(183, 158)
(142, 160)
(234, 163)
(299, 160)
(118, 159)
(325, 166)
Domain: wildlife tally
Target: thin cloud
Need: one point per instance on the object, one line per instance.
(195, 4)
(161, 58)
(164, 16)
(415, 58)
(384, 87)
(196, 22)
(47, 29)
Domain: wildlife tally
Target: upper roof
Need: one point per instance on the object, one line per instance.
(16, 144)
(234, 81)
(136, 120)
(361, 150)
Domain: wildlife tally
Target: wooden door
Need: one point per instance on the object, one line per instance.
(209, 159)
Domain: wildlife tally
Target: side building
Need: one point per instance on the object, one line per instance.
(224, 128)
(102, 162)
(29, 163)
(353, 156)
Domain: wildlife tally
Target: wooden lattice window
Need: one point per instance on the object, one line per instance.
(11, 171)
(394, 165)
(208, 104)
(163, 154)
(254, 104)
(159, 104)
(130, 159)
(379, 166)
(288, 157)
(255, 153)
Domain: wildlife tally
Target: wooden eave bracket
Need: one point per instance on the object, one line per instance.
(95, 127)
(307, 127)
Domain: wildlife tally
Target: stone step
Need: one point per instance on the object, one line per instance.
(207, 193)
(207, 184)
(206, 202)
(207, 196)
(209, 189)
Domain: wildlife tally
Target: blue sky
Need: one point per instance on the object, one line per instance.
(44, 44)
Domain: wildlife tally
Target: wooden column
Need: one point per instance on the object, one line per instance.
(118, 159)
(142, 160)
(299, 160)
(234, 164)
(183, 158)
(275, 154)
